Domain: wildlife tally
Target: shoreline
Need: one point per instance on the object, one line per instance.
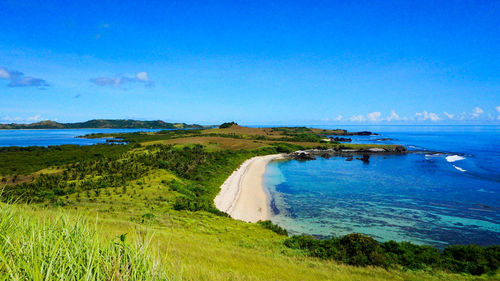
(242, 195)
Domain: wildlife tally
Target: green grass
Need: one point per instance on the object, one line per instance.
(64, 248)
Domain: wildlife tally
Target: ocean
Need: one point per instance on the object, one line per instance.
(56, 136)
(450, 197)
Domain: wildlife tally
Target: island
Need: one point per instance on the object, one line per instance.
(102, 124)
(192, 203)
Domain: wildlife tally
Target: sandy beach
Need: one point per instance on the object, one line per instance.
(242, 195)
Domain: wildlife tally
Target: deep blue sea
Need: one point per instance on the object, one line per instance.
(426, 198)
(56, 136)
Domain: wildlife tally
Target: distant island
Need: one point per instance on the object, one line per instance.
(103, 123)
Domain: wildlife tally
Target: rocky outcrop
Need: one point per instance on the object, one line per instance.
(365, 153)
(341, 139)
(301, 155)
(384, 139)
(365, 158)
(362, 133)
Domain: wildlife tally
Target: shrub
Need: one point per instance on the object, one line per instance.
(274, 227)
(227, 125)
(472, 259)
(361, 250)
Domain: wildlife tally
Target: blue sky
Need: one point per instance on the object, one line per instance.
(255, 62)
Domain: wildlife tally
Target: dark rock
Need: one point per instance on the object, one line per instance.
(400, 149)
(302, 155)
(340, 139)
(363, 133)
(365, 158)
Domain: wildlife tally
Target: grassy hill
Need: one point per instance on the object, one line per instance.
(102, 123)
(144, 211)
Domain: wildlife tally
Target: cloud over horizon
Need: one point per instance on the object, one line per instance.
(17, 119)
(119, 81)
(394, 117)
(374, 116)
(18, 79)
(476, 114)
(425, 116)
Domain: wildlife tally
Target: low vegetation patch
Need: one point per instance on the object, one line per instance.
(274, 227)
(360, 250)
(227, 125)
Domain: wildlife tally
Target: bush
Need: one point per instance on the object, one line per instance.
(274, 227)
(472, 259)
(227, 125)
(361, 250)
(286, 147)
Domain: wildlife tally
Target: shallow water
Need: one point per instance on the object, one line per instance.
(422, 198)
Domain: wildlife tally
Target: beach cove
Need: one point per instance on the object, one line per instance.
(243, 195)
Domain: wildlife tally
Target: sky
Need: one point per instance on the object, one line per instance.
(253, 62)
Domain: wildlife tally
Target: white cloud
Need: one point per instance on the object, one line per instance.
(4, 74)
(476, 112)
(498, 111)
(357, 118)
(424, 116)
(141, 77)
(374, 116)
(11, 119)
(34, 118)
(340, 117)
(18, 79)
(394, 117)
(17, 119)
(449, 115)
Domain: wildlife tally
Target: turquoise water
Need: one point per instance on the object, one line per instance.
(421, 197)
(56, 136)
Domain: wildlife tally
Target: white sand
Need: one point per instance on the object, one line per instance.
(242, 195)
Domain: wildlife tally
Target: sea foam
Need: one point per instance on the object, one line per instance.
(454, 158)
(460, 169)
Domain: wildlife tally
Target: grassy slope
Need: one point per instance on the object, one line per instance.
(201, 245)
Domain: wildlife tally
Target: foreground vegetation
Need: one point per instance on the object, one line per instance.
(165, 182)
(360, 250)
(60, 248)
